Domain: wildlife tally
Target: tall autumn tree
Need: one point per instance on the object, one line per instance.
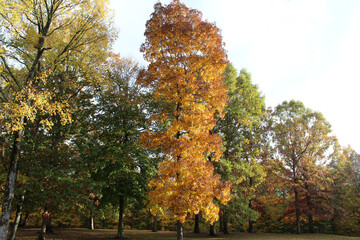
(49, 51)
(187, 60)
(302, 138)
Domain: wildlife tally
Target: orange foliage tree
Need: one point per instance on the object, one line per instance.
(302, 139)
(187, 61)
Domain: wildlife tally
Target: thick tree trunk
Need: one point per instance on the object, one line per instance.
(221, 223)
(297, 212)
(197, 225)
(10, 186)
(179, 234)
(120, 232)
(311, 223)
(155, 227)
(49, 229)
(310, 216)
(251, 226)
(297, 208)
(251, 222)
(212, 230)
(250, 230)
(225, 224)
(17, 218)
(333, 225)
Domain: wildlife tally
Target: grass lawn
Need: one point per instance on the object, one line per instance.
(85, 234)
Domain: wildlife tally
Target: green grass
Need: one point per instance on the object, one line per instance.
(102, 234)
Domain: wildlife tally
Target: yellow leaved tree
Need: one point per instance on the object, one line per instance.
(187, 61)
(49, 51)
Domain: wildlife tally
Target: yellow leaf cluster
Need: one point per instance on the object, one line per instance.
(70, 38)
(28, 103)
(188, 187)
(187, 61)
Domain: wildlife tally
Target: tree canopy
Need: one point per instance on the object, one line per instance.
(187, 60)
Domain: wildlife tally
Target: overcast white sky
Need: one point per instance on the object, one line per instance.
(307, 50)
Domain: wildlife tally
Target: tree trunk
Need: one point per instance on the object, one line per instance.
(221, 223)
(250, 230)
(155, 227)
(49, 229)
(91, 227)
(212, 230)
(225, 224)
(10, 186)
(120, 233)
(179, 234)
(25, 222)
(311, 223)
(197, 226)
(17, 218)
(42, 233)
(310, 216)
(297, 210)
(15, 225)
(334, 217)
(251, 225)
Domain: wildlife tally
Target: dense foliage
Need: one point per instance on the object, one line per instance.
(91, 139)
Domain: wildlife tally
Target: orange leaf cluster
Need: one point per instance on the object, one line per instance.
(187, 61)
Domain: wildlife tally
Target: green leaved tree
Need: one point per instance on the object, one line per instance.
(49, 52)
(241, 129)
(125, 168)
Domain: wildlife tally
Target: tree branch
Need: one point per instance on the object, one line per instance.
(10, 72)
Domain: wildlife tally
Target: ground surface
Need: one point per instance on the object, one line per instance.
(85, 234)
